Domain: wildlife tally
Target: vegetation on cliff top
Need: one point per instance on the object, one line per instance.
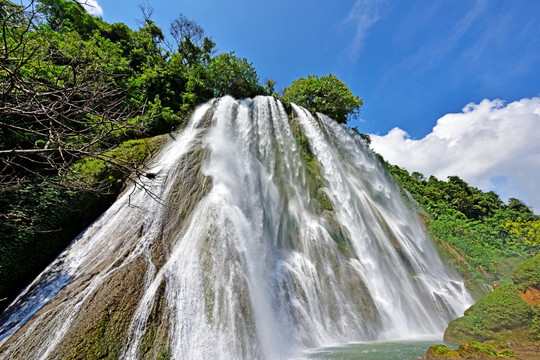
(325, 94)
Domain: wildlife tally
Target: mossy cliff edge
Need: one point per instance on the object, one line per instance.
(505, 323)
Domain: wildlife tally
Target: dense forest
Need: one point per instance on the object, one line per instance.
(83, 104)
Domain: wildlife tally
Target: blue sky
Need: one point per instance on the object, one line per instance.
(414, 62)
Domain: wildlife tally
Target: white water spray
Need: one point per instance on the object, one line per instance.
(274, 234)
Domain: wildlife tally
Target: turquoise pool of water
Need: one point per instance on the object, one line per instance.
(406, 350)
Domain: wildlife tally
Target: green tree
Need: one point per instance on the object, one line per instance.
(66, 15)
(325, 94)
(147, 51)
(231, 75)
(519, 209)
(269, 86)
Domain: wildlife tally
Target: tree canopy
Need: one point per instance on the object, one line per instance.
(72, 83)
(231, 75)
(325, 94)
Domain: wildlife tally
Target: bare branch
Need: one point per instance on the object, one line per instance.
(59, 103)
(147, 11)
(183, 29)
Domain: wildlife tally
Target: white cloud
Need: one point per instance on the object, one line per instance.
(363, 15)
(92, 7)
(491, 145)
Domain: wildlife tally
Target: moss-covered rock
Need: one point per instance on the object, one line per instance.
(436, 352)
(476, 350)
(132, 153)
(100, 330)
(314, 179)
(469, 351)
(509, 313)
(500, 315)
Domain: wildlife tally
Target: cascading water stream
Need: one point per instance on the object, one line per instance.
(274, 233)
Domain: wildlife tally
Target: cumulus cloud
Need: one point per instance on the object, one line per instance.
(491, 145)
(92, 7)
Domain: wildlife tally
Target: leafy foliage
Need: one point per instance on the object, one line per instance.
(493, 316)
(62, 97)
(524, 233)
(325, 94)
(65, 16)
(527, 275)
(231, 75)
(470, 350)
(38, 219)
(471, 226)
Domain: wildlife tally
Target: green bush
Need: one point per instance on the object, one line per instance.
(39, 221)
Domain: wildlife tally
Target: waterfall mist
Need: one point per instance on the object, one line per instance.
(271, 234)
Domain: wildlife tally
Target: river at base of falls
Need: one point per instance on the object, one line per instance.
(392, 350)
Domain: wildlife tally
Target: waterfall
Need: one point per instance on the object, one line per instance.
(263, 234)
